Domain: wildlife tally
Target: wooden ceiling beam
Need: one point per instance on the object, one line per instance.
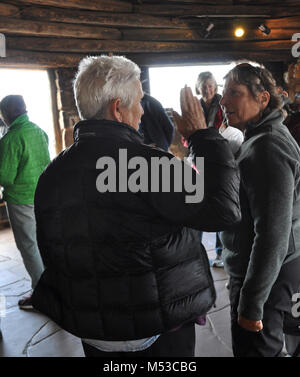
(105, 19)
(26, 27)
(209, 2)
(8, 10)
(195, 58)
(284, 22)
(143, 20)
(100, 5)
(212, 10)
(217, 33)
(88, 46)
(31, 59)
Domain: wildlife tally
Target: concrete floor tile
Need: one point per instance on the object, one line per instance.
(59, 344)
(18, 328)
(208, 344)
(7, 277)
(220, 324)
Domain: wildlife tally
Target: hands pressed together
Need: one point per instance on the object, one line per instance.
(192, 118)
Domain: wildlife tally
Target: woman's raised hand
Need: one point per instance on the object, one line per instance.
(192, 118)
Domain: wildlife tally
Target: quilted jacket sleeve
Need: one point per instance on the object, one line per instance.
(215, 204)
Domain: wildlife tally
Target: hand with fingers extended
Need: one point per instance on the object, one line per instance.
(192, 118)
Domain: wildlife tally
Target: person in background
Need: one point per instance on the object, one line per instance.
(206, 86)
(124, 270)
(292, 121)
(156, 126)
(23, 156)
(262, 253)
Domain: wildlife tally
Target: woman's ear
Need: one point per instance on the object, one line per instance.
(114, 109)
(264, 98)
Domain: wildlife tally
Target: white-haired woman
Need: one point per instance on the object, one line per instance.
(206, 86)
(262, 253)
(124, 269)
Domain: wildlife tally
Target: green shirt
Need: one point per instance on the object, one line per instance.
(23, 156)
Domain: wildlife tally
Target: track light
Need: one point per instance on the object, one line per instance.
(264, 29)
(208, 29)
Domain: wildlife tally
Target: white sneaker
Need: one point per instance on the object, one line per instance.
(218, 263)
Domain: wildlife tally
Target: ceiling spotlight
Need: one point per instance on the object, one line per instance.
(239, 32)
(208, 29)
(264, 28)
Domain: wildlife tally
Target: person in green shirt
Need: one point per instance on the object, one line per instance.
(23, 156)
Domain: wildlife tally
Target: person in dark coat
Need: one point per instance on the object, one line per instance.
(206, 86)
(123, 265)
(293, 122)
(262, 253)
(156, 126)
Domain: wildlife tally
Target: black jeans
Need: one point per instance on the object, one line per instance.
(180, 343)
(269, 341)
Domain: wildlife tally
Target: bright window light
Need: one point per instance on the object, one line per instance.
(166, 82)
(34, 86)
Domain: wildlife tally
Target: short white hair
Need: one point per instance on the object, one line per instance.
(100, 80)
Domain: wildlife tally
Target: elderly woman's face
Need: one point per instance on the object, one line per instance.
(239, 105)
(208, 90)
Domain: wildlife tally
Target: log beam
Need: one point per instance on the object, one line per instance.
(101, 5)
(105, 19)
(8, 10)
(227, 34)
(211, 10)
(32, 59)
(95, 46)
(25, 27)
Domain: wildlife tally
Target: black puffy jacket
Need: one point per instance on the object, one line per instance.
(124, 265)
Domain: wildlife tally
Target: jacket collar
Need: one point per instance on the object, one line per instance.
(94, 128)
(19, 121)
(274, 119)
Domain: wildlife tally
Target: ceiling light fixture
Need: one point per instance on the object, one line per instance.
(264, 29)
(239, 32)
(208, 29)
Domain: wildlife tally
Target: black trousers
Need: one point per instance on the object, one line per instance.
(269, 341)
(180, 343)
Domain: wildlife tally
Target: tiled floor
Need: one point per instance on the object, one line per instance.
(31, 334)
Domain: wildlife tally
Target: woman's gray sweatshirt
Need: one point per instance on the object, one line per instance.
(269, 233)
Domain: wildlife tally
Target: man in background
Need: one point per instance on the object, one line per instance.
(23, 156)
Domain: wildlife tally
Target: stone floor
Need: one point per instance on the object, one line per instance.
(31, 334)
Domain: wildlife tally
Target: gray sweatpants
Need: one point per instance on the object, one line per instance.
(22, 221)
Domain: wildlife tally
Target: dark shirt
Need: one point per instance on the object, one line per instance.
(156, 126)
